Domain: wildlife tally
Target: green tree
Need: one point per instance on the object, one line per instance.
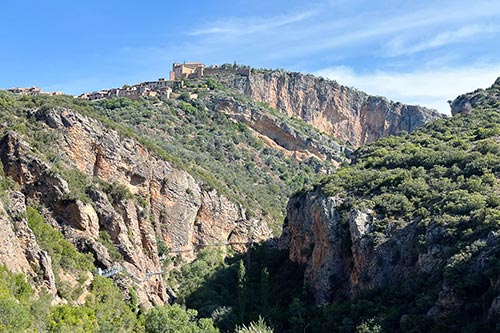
(71, 319)
(176, 319)
(15, 300)
(297, 312)
(369, 326)
(241, 280)
(14, 317)
(264, 289)
(112, 312)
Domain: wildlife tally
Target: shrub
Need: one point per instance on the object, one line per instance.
(255, 327)
(15, 301)
(62, 252)
(112, 312)
(66, 318)
(78, 182)
(105, 240)
(116, 192)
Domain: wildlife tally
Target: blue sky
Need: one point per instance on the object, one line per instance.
(419, 52)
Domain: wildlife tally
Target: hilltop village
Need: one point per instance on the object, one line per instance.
(33, 91)
(162, 87)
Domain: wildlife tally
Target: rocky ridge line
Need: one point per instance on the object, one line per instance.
(348, 114)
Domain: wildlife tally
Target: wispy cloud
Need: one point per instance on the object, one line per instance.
(328, 34)
(431, 87)
(250, 25)
(401, 46)
(333, 29)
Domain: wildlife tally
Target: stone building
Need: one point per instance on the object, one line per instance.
(161, 88)
(33, 91)
(187, 70)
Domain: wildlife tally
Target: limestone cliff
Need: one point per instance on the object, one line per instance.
(346, 113)
(139, 199)
(338, 255)
(341, 258)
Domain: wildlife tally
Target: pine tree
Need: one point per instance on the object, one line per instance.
(242, 289)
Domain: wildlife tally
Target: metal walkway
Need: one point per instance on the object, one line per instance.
(119, 268)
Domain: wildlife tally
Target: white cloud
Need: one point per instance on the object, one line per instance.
(400, 46)
(249, 25)
(431, 87)
(330, 33)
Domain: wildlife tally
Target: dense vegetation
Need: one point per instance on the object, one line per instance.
(105, 310)
(443, 177)
(253, 289)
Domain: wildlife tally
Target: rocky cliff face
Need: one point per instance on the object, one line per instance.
(140, 200)
(346, 113)
(19, 250)
(339, 257)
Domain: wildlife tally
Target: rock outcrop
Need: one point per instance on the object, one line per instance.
(489, 97)
(282, 135)
(337, 256)
(348, 114)
(19, 251)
